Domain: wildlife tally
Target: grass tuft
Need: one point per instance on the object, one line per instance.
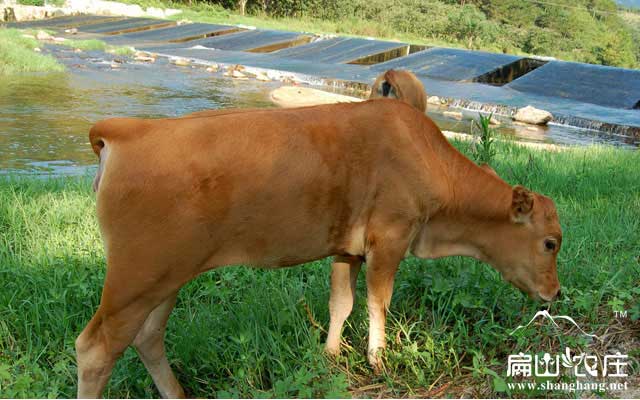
(17, 54)
(96, 45)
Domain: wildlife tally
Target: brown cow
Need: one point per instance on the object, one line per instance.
(402, 85)
(363, 182)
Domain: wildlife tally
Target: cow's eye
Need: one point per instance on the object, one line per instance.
(550, 244)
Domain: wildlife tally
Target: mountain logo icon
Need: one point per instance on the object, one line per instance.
(552, 318)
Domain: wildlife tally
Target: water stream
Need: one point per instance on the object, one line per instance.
(45, 118)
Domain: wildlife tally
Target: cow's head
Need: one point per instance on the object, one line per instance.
(528, 245)
(521, 240)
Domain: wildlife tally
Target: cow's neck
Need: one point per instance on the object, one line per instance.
(476, 209)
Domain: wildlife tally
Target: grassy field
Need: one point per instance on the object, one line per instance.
(17, 54)
(239, 332)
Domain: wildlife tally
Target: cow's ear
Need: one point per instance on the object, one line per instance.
(521, 204)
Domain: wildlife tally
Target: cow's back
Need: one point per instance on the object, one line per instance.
(273, 187)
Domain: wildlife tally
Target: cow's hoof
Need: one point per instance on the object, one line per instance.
(375, 360)
(332, 351)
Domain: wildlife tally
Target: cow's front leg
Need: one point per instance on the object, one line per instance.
(381, 269)
(384, 253)
(344, 276)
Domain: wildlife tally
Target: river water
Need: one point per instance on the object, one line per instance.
(45, 118)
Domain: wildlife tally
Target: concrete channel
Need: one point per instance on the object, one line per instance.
(588, 96)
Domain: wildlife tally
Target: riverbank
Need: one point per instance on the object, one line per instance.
(21, 50)
(448, 329)
(22, 54)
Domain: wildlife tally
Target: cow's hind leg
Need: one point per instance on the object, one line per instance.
(102, 342)
(123, 309)
(149, 342)
(344, 276)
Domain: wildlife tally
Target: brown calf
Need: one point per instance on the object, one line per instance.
(363, 182)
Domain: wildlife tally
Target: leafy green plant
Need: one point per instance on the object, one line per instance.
(485, 150)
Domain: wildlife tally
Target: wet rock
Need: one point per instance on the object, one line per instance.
(213, 68)
(494, 121)
(532, 115)
(182, 62)
(261, 76)
(238, 75)
(37, 49)
(73, 31)
(42, 35)
(77, 51)
(288, 79)
(235, 71)
(453, 114)
(59, 39)
(435, 100)
(146, 59)
(139, 53)
(294, 96)
(115, 65)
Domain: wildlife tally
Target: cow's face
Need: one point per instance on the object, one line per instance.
(527, 246)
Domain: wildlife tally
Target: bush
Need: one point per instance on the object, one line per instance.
(581, 30)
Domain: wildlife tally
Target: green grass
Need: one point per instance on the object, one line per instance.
(246, 333)
(96, 45)
(86, 45)
(17, 55)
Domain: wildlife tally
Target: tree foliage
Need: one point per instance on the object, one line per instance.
(576, 30)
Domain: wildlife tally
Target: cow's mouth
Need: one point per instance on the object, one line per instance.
(533, 294)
